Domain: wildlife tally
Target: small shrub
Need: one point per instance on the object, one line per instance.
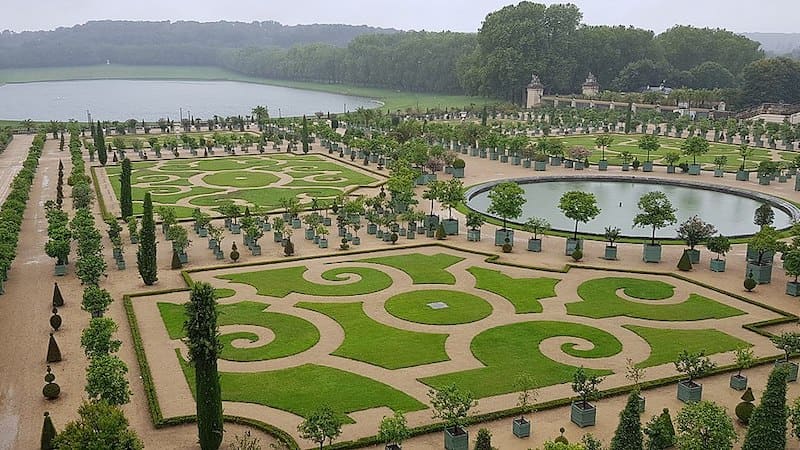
(507, 248)
(53, 352)
(55, 320)
(561, 439)
(685, 264)
(577, 254)
(484, 440)
(51, 390)
(660, 431)
(234, 253)
(459, 163)
(750, 283)
(440, 233)
(745, 408)
(288, 249)
(176, 261)
(245, 442)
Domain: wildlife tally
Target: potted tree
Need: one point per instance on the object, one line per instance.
(434, 192)
(393, 431)
(579, 155)
(744, 360)
(764, 242)
(583, 413)
(539, 162)
(626, 158)
(656, 212)
(789, 342)
(649, 144)
(719, 245)
(635, 375)
(536, 225)
(521, 426)
(452, 195)
(745, 152)
(791, 265)
(603, 142)
(322, 231)
(611, 234)
(180, 241)
(506, 201)
(458, 168)
(695, 146)
(254, 232)
(762, 216)
(58, 246)
(452, 405)
(580, 207)
(670, 158)
(694, 231)
(474, 222)
(720, 162)
(133, 230)
(216, 235)
(694, 365)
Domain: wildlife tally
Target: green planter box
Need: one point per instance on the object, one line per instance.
(323, 243)
(540, 166)
(797, 184)
(357, 240)
(717, 265)
(571, 245)
(752, 255)
(568, 163)
(583, 417)
(458, 172)
(526, 163)
(266, 226)
(474, 235)
(521, 427)
(651, 253)
(309, 234)
(277, 236)
(647, 166)
(694, 256)
(456, 438)
(626, 167)
(60, 270)
(762, 274)
(515, 160)
(236, 228)
(504, 158)
(690, 392)
(450, 227)
(483, 154)
(473, 152)
(642, 404)
(793, 289)
(670, 169)
(493, 156)
(431, 221)
(738, 382)
(501, 235)
(694, 169)
(764, 181)
(792, 369)
(534, 245)
(255, 250)
(782, 178)
(183, 257)
(556, 161)
(578, 165)
(718, 173)
(610, 253)
(296, 224)
(372, 229)
(202, 232)
(602, 165)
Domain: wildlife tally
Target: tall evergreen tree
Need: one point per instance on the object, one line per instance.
(146, 254)
(100, 144)
(125, 202)
(304, 134)
(202, 339)
(629, 431)
(768, 422)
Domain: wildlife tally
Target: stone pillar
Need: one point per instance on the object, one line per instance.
(535, 91)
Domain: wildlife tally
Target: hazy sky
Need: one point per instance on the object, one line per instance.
(457, 15)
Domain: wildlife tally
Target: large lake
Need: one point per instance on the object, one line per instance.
(154, 99)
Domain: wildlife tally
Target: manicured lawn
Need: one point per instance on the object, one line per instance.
(301, 390)
(666, 344)
(512, 350)
(293, 335)
(423, 269)
(224, 293)
(461, 307)
(375, 343)
(600, 301)
(523, 293)
(241, 179)
(266, 198)
(282, 282)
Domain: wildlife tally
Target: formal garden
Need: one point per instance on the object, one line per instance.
(381, 330)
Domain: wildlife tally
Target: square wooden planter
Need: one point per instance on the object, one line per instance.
(717, 265)
(689, 391)
(583, 417)
(610, 253)
(694, 256)
(521, 427)
(474, 235)
(793, 289)
(501, 235)
(694, 169)
(762, 274)
(602, 165)
(450, 227)
(456, 438)
(738, 382)
(647, 166)
(540, 166)
(792, 369)
(651, 253)
(60, 270)
(534, 245)
(571, 245)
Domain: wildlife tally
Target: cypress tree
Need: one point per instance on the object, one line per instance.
(629, 431)
(768, 421)
(202, 335)
(146, 254)
(125, 202)
(48, 432)
(304, 134)
(100, 145)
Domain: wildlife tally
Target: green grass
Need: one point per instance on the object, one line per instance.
(224, 293)
(241, 179)
(423, 269)
(392, 99)
(666, 344)
(375, 343)
(510, 351)
(461, 307)
(523, 293)
(282, 282)
(293, 335)
(600, 301)
(301, 390)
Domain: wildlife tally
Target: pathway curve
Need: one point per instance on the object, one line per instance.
(11, 161)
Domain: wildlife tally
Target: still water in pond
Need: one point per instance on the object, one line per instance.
(154, 99)
(731, 214)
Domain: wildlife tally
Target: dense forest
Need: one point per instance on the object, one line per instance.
(496, 62)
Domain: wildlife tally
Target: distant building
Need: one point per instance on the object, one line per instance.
(590, 87)
(535, 91)
(661, 89)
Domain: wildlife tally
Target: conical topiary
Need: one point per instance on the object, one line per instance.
(750, 283)
(685, 264)
(55, 320)
(288, 249)
(58, 300)
(176, 261)
(51, 390)
(48, 433)
(745, 409)
(53, 352)
(440, 233)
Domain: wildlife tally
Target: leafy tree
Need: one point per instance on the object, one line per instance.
(603, 142)
(100, 144)
(649, 143)
(125, 199)
(393, 430)
(100, 426)
(81, 196)
(105, 380)
(452, 195)
(323, 424)
(90, 268)
(452, 405)
(579, 206)
(537, 225)
(656, 212)
(771, 80)
(694, 365)
(695, 146)
(629, 431)
(585, 386)
(202, 340)
(96, 300)
(97, 338)
(764, 215)
(763, 242)
(794, 418)
(506, 201)
(146, 254)
(694, 231)
(767, 425)
(704, 425)
(719, 245)
(484, 440)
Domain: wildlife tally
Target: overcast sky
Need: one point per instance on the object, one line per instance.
(457, 15)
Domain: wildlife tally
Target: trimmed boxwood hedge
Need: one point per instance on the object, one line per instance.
(13, 208)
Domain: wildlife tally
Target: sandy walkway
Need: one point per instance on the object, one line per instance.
(11, 161)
